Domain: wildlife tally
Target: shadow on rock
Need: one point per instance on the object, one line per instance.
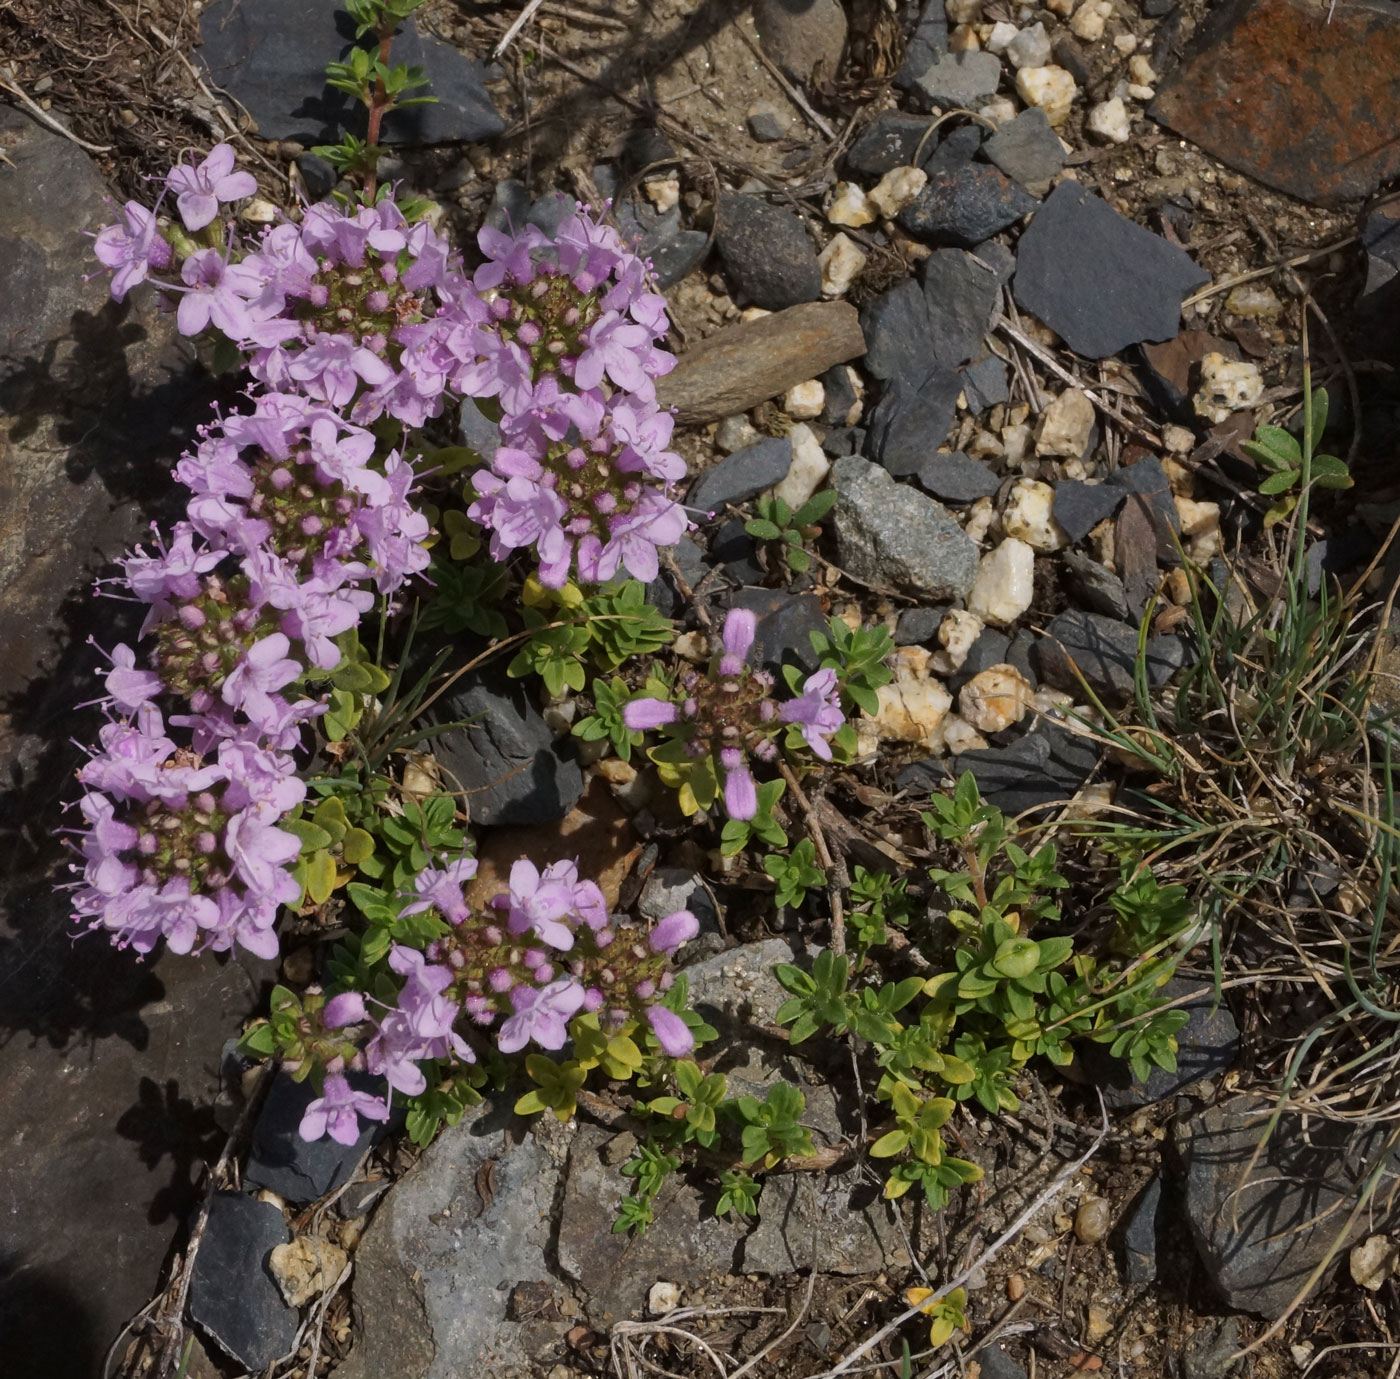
(44, 1326)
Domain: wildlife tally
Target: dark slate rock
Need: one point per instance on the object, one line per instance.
(767, 124)
(990, 649)
(767, 254)
(510, 206)
(956, 478)
(233, 1295)
(505, 758)
(1156, 9)
(663, 592)
(997, 1364)
(1149, 479)
(993, 648)
(1263, 1224)
(1139, 1234)
(1021, 654)
(889, 141)
(479, 432)
(784, 622)
(845, 440)
(1080, 507)
(955, 150)
(1042, 768)
(1098, 280)
(318, 176)
(271, 57)
(550, 211)
(1209, 1354)
(734, 549)
(299, 1170)
(1380, 233)
(927, 44)
(1105, 652)
(839, 394)
(742, 475)
(999, 258)
(965, 80)
(962, 296)
(644, 146)
(1026, 149)
(966, 206)
(673, 258)
(910, 423)
(898, 334)
(1095, 586)
(1207, 1045)
(1070, 53)
(986, 382)
(918, 626)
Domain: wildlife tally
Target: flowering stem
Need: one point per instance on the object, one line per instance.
(835, 871)
(380, 105)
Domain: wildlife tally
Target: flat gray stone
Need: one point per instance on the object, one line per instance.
(912, 420)
(804, 37)
(960, 79)
(1080, 507)
(956, 478)
(898, 335)
(741, 476)
(965, 205)
(272, 58)
(1104, 651)
(890, 533)
(97, 400)
(436, 1268)
(1097, 279)
(1139, 1234)
(505, 758)
(830, 1223)
(963, 297)
(234, 1297)
(685, 1245)
(1026, 149)
(1261, 1235)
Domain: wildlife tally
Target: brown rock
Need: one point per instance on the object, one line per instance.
(1305, 100)
(739, 367)
(596, 831)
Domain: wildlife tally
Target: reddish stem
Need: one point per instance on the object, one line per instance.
(380, 105)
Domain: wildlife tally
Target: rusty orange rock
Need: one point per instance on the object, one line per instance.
(1307, 106)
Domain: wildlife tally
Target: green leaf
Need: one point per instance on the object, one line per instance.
(1280, 483)
(313, 838)
(761, 530)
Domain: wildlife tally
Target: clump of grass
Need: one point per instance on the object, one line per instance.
(1266, 785)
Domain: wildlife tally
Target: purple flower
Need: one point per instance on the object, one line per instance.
(641, 715)
(133, 249)
(338, 1109)
(817, 711)
(538, 902)
(740, 626)
(671, 1031)
(346, 1009)
(333, 366)
(218, 292)
(263, 668)
(443, 889)
(541, 1014)
(740, 795)
(200, 189)
(129, 687)
(259, 853)
(614, 348)
(673, 931)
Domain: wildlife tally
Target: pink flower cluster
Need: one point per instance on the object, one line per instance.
(374, 316)
(548, 952)
(728, 716)
(286, 527)
(183, 849)
(563, 334)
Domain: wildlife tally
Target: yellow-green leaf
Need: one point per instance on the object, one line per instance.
(320, 877)
(887, 1146)
(356, 846)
